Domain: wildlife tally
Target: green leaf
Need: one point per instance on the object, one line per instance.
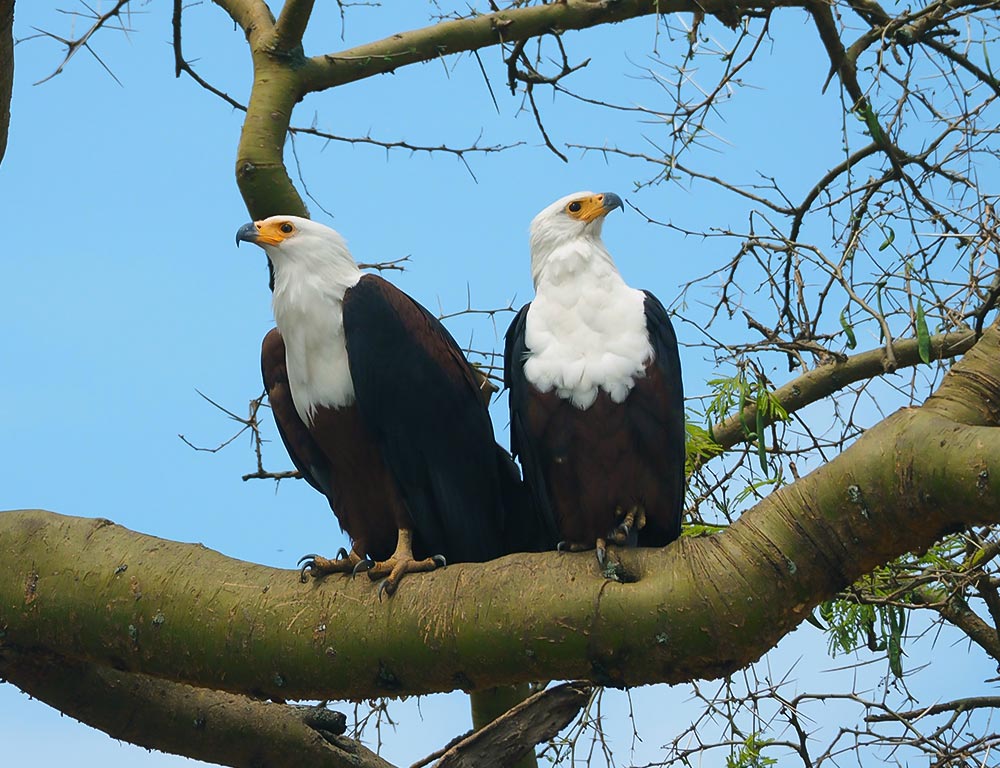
(852, 340)
(923, 335)
(761, 450)
(888, 239)
(897, 625)
(870, 118)
(701, 529)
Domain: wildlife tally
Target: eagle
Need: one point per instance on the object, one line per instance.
(596, 397)
(381, 413)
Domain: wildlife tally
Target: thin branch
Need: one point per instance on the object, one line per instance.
(74, 46)
(459, 152)
(958, 705)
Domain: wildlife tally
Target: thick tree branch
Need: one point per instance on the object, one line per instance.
(218, 727)
(253, 17)
(537, 719)
(6, 69)
(260, 167)
(823, 381)
(970, 393)
(702, 607)
(291, 25)
(510, 26)
(843, 65)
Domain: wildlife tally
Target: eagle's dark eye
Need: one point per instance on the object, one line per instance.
(286, 228)
(574, 207)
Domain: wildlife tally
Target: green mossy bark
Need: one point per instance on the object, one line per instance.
(260, 167)
(214, 726)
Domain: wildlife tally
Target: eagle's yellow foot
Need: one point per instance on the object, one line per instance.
(600, 548)
(572, 546)
(317, 565)
(401, 562)
(633, 520)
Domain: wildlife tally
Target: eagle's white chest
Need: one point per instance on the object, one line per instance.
(311, 321)
(586, 333)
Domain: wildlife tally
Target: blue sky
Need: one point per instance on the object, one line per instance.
(125, 292)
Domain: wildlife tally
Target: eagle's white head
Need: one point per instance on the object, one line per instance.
(566, 236)
(311, 271)
(302, 249)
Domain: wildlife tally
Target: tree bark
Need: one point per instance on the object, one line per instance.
(6, 69)
(214, 726)
(532, 721)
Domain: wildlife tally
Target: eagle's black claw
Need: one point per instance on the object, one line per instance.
(440, 560)
(307, 557)
(599, 550)
(342, 554)
(562, 546)
(383, 586)
(307, 563)
(363, 565)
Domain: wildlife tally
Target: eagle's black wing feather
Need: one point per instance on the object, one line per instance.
(664, 415)
(419, 397)
(522, 444)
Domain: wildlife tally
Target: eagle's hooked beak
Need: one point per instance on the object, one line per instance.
(593, 207)
(247, 232)
(611, 201)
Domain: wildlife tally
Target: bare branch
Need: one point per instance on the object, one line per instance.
(958, 705)
(511, 735)
(75, 45)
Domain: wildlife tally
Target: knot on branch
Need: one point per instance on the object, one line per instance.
(530, 75)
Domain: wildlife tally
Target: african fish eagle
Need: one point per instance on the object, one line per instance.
(596, 399)
(380, 412)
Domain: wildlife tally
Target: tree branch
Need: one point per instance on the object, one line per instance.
(955, 610)
(253, 17)
(6, 69)
(510, 26)
(537, 719)
(291, 25)
(823, 381)
(959, 705)
(970, 393)
(217, 727)
(95, 591)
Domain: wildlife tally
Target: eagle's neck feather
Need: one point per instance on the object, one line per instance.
(308, 306)
(586, 329)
